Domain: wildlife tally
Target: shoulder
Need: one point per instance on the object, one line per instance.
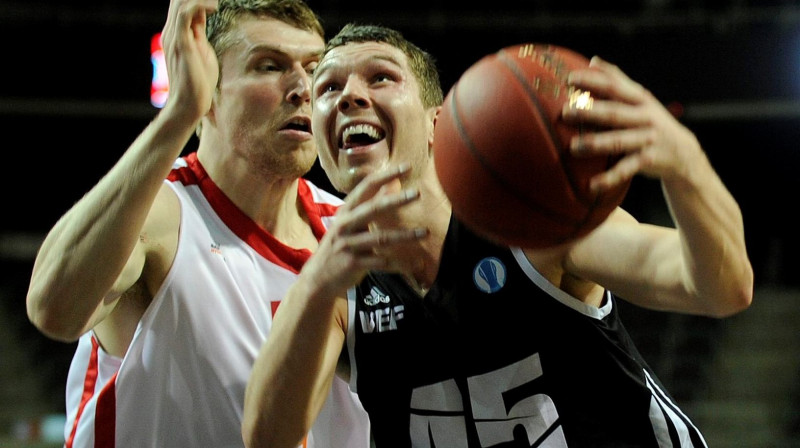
(159, 236)
(164, 215)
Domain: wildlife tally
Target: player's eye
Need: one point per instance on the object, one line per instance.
(268, 66)
(328, 87)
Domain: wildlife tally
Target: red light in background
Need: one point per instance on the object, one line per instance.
(159, 87)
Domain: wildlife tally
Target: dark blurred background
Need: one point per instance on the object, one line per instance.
(74, 93)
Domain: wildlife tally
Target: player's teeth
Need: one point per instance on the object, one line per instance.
(361, 129)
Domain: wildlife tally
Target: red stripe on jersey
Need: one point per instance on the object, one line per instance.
(106, 416)
(315, 210)
(89, 382)
(245, 228)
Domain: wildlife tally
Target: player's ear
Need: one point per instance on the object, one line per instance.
(433, 114)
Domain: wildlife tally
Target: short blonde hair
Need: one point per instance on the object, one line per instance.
(221, 24)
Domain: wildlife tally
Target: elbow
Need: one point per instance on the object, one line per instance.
(739, 296)
(743, 296)
(54, 329)
(51, 322)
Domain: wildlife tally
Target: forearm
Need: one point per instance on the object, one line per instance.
(292, 375)
(85, 252)
(717, 269)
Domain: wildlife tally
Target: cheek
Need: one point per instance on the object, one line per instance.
(336, 178)
(256, 96)
(417, 129)
(263, 101)
(317, 128)
(320, 113)
(320, 109)
(327, 164)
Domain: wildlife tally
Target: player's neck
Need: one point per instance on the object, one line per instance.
(269, 199)
(421, 288)
(421, 260)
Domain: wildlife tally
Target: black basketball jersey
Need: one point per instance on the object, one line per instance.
(496, 356)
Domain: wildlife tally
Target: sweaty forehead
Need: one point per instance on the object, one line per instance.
(260, 34)
(354, 54)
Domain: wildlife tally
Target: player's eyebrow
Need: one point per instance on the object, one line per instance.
(328, 64)
(282, 51)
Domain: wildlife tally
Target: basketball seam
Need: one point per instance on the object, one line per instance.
(493, 173)
(517, 72)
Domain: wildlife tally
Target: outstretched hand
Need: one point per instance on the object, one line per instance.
(633, 123)
(353, 245)
(192, 66)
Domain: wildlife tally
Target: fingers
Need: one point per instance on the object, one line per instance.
(626, 120)
(623, 171)
(616, 142)
(366, 212)
(189, 17)
(381, 192)
(192, 66)
(376, 249)
(625, 116)
(347, 252)
(618, 101)
(376, 241)
(197, 17)
(607, 114)
(607, 81)
(375, 182)
(368, 227)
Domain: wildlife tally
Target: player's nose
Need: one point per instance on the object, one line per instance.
(354, 94)
(299, 85)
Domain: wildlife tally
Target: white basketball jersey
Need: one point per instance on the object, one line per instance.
(182, 381)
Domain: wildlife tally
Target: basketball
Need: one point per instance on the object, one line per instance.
(501, 150)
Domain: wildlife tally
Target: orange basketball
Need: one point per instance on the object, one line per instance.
(502, 152)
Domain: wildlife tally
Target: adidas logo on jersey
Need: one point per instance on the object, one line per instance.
(375, 297)
(215, 249)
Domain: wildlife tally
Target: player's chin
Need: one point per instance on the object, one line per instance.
(306, 161)
(352, 175)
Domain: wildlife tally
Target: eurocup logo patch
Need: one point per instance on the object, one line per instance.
(489, 275)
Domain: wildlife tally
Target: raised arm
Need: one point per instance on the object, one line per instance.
(292, 375)
(95, 252)
(701, 266)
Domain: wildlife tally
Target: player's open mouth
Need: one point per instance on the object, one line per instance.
(298, 124)
(360, 135)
